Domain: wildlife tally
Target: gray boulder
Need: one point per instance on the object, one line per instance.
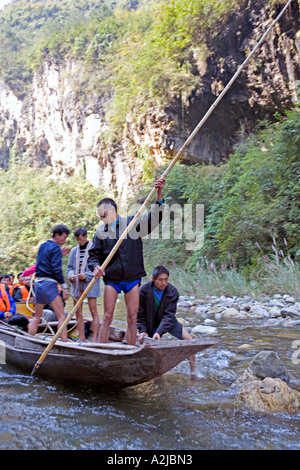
(267, 364)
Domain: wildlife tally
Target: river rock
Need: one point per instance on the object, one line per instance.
(183, 321)
(203, 329)
(289, 298)
(268, 364)
(246, 346)
(209, 322)
(246, 307)
(269, 395)
(276, 303)
(202, 310)
(230, 312)
(183, 304)
(275, 312)
(290, 311)
(260, 312)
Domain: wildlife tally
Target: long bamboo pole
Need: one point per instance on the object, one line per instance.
(139, 212)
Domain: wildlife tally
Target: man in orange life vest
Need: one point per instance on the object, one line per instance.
(5, 283)
(7, 305)
(21, 291)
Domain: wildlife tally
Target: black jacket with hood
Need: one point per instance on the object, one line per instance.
(127, 264)
(166, 312)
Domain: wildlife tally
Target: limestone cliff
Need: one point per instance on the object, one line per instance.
(51, 125)
(270, 83)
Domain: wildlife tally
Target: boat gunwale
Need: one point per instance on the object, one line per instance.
(101, 348)
(78, 347)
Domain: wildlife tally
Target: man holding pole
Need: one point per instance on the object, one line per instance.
(126, 268)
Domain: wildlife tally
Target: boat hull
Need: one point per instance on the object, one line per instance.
(107, 366)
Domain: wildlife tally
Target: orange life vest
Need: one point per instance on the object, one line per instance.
(7, 288)
(24, 291)
(4, 301)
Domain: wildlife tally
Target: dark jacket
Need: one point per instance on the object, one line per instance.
(166, 311)
(127, 264)
(49, 261)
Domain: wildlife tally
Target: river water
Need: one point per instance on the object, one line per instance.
(172, 412)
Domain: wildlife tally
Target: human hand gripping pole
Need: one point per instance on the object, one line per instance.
(175, 159)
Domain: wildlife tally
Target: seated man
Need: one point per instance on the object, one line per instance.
(21, 291)
(157, 309)
(5, 283)
(8, 310)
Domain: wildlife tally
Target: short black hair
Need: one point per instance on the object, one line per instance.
(159, 270)
(59, 230)
(80, 231)
(109, 201)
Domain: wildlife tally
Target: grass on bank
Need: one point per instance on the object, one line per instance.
(275, 273)
(273, 278)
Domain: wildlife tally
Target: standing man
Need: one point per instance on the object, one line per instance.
(126, 268)
(80, 277)
(157, 310)
(48, 276)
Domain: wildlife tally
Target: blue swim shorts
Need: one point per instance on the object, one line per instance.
(45, 292)
(124, 286)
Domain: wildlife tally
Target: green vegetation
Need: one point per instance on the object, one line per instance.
(252, 216)
(145, 51)
(252, 210)
(35, 202)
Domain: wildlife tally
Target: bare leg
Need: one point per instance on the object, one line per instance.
(94, 312)
(132, 304)
(33, 325)
(192, 359)
(110, 298)
(58, 308)
(80, 322)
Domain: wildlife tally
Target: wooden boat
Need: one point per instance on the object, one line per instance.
(110, 365)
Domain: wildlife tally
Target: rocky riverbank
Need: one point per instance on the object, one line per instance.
(279, 310)
(264, 384)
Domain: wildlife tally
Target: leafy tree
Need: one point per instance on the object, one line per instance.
(36, 201)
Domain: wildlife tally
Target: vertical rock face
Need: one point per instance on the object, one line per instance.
(53, 126)
(269, 83)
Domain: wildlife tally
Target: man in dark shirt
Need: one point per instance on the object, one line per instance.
(48, 276)
(157, 310)
(126, 268)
